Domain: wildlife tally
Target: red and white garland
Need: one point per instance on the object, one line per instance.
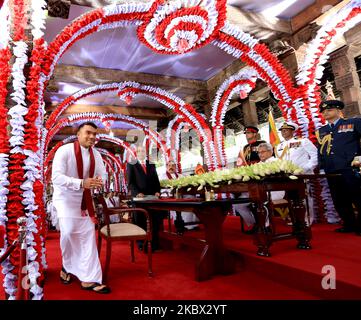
(318, 50)
(173, 137)
(121, 184)
(100, 137)
(119, 171)
(255, 54)
(34, 185)
(181, 26)
(241, 83)
(17, 193)
(81, 94)
(110, 173)
(89, 116)
(196, 120)
(167, 27)
(5, 55)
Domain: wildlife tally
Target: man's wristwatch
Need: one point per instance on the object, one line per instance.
(82, 183)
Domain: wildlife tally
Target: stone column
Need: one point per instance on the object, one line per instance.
(346, 78)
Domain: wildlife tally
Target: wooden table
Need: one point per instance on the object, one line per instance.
(215, 258)
(258, 191)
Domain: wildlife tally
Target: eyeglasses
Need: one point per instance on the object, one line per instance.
(264, 151)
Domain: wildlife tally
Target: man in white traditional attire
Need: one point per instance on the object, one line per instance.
(187, 217)
(302, 152)
(77, 169)
(265, 153)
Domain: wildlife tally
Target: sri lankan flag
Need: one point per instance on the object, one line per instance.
(273, 133)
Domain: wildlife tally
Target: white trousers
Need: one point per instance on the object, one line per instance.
(187, 217)
(79, 249)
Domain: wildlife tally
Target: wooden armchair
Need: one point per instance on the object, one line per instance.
(122, 231)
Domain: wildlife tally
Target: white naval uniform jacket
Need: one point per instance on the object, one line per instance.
(67, 194)
(301, 152)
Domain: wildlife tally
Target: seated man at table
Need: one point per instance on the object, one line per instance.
(245, 210)
(142, 179)
(186, 217)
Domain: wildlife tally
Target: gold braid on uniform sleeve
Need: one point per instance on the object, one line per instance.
(326, 140)
(282, 154)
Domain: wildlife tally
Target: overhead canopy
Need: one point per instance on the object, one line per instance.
(117, 55)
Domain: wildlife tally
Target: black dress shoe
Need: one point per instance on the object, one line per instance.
(253, 230)
(344, 230)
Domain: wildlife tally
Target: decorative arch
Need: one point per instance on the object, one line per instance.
(110, 172)
(189, 114)
(100, 137)
(172, 18)
(118, 164)
(128, 90)
(88, 116)
(26, 157)
(241, 83)
(317, 55)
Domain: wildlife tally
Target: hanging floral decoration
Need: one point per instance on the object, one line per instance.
(176, 104)
(16, 177)
(109, 17)
(5, 70)
(318, 50)
(244, 81)
(100, 137)
(119, 171)
(121, 183)
(89, 116)
(81, 94)
(167, 27)
(181, 26)
(110, 173)
(164, 98)
(173, 138)
(256, 55)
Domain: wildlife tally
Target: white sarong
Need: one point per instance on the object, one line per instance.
(79, 249)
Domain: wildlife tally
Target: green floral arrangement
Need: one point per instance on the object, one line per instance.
(256, 171)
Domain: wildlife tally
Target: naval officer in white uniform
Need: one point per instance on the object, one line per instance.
(301, 151)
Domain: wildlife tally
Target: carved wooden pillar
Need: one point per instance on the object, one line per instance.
(249, 111)
(346, 78)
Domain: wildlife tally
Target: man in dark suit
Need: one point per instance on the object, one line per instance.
(142, 179)
(338, 145)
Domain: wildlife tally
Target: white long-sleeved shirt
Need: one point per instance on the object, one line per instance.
(301, 152)
(276, 195)
(66, 183)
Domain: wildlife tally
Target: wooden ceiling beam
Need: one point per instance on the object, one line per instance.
(94, 76)
(249, 21)
(217, 80)
(137, 112)
(311, 13)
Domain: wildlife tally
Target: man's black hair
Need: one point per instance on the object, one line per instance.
(88, 123)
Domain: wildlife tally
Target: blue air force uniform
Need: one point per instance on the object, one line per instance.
(338, 145)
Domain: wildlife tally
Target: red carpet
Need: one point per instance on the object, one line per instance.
(288, 274)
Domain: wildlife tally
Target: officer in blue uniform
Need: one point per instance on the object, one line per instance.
(338, 145)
